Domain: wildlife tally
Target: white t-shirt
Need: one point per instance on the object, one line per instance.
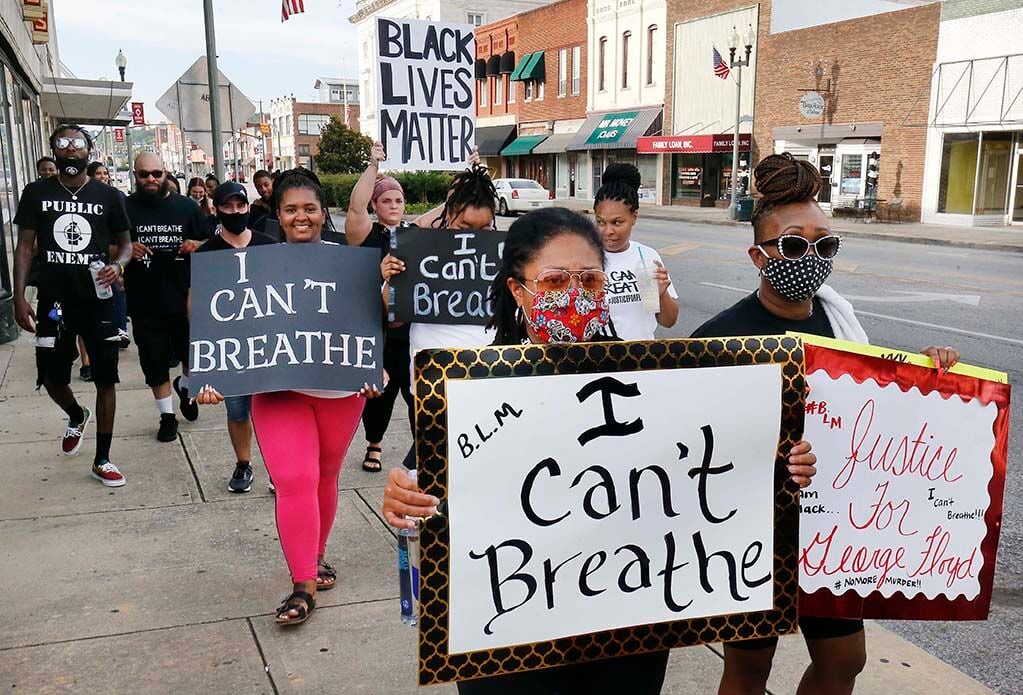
(429, 336)
(631, 320)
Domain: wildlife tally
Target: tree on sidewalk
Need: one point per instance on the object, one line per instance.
(342, 150)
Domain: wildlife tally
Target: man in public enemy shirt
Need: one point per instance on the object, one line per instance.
(74, 221)
(165, 230)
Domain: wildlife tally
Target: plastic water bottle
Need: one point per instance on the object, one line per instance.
(101, 292)
(408, 572)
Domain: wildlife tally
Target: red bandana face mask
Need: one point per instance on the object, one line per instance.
(574, 315)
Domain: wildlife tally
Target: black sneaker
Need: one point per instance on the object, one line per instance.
(85, 373)
(241, 481)
(168, 428)
(189, 409)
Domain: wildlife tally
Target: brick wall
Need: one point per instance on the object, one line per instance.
(884, 74)
(316, 109)
(551, 28)
(494, 39)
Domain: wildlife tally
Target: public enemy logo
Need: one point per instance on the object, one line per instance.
(72, 232)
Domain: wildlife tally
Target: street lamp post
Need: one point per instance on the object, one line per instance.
(122, 64)
(737, 64)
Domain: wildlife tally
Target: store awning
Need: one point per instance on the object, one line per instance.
(555, 144)
(491, 139)
(507, 62)
(531, 67)
(828, 132)
(616, 130)
(86, 102)
(523, 144)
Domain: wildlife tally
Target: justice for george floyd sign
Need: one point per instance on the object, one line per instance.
(447, 275)
(426, 97)
(290, 316)
(902, 519)
(604, 499)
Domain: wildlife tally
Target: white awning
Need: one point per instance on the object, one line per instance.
(86, 102)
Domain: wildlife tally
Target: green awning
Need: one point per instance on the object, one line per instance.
(531, 67)
(523, 144)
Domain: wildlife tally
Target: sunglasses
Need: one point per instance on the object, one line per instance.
(76, 143)
(155, 173)
(558, 279)
(792, 247)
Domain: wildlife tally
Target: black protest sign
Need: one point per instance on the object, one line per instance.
(604, 499)
(447, 275)
(426, 99)
(289, 316)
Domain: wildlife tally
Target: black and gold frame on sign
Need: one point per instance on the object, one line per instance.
(434, 368)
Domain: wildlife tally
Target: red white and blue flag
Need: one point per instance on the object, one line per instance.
(290, 7)
(720, 66)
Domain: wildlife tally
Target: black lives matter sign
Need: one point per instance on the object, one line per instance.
(289, 316)
(426, 97)
(447, 277)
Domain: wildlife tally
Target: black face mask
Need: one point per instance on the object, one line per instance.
(71, 166)
(234, 222)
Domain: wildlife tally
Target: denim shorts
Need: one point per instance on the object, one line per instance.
(239, 408)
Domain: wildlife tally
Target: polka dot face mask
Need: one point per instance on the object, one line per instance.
(799, 280)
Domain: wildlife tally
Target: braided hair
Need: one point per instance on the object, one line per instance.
(526, 237)
(471, 188)
(620, 182)
(782, 179)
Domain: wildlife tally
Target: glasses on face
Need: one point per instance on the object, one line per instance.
(155, 173)
(559, 279)
(73, 143)
(792, 247)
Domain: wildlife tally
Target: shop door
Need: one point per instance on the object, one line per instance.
(597, 157)
(1017, 189)
(711, 181)
(571, 175)
(827, 167)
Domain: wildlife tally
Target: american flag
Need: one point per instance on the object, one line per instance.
(720, 66)
(290, 7)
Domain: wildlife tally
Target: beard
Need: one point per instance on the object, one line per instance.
(155, 196)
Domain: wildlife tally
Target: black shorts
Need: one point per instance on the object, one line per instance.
(812, 628)
(56, 340)
(160, 341)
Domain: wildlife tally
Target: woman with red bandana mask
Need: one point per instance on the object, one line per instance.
(550, 289)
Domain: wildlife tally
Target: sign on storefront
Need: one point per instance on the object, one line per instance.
(692, 144)
(612, 127)
(811, 105)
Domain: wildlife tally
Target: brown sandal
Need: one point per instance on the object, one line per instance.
(326, 577)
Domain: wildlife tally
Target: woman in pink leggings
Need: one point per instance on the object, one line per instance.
(303, 435)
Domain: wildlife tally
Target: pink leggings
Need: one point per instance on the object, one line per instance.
(304, 440)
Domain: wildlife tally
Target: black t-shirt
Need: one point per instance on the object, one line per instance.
(217, 243)
(158, 285)
(748, 317)
(380, 238)
(72, 231)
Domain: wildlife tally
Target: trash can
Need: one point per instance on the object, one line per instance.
(744, 209)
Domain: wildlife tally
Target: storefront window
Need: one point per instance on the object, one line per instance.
(688, 170)
(995, 168)
(7, 181)
(852, 174)
(958, 173)
(647, 165)
(12, 100)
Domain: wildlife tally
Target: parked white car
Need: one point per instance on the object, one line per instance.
(520, 195)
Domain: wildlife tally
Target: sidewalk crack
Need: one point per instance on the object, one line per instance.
(262, 657)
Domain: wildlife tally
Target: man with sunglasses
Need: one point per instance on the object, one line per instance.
(165, 230)
(74, 221)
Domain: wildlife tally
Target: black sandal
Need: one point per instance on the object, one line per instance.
(300, 602)
(326, 577)
(372, 465)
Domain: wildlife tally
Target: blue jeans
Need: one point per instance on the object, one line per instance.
(239, 408)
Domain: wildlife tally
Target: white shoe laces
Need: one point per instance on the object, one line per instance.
(108, 468)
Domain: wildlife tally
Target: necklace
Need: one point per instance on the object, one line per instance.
(74, 194)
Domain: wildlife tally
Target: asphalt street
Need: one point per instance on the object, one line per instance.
(908, 296)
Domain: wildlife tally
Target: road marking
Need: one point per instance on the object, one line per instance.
(681, 247)
(912, 297)
(897, 319)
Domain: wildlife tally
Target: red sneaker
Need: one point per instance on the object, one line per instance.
(107, 473)
(72, 440)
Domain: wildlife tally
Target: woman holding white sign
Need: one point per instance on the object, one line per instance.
(303, 435)
(794, 250)
(550, 289)
(639, 290)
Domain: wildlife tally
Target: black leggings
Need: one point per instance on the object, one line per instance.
(641, 674)
(377, 414)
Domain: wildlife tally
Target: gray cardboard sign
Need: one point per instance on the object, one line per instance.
(287, 316)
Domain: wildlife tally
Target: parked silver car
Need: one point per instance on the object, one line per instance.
(521, 195)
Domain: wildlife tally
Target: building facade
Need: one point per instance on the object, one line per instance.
(497, 102)
(295, 129)
(337, 90)
(973, 173)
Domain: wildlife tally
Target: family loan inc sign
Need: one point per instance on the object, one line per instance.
(427, 93)
(588, 499)
(286, 316)
(903, 517)
(696, 144)
(612, 127)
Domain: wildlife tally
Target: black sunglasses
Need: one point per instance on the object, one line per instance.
(155, 173)
(792, 247)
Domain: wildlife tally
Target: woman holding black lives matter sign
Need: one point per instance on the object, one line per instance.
(793, 249)
(304, 435)
(553, 271)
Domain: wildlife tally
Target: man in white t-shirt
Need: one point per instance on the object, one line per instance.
(632, 273)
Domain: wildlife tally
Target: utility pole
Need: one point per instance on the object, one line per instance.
(214, 85)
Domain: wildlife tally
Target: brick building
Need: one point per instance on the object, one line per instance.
(295, 129)
(496, 99)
